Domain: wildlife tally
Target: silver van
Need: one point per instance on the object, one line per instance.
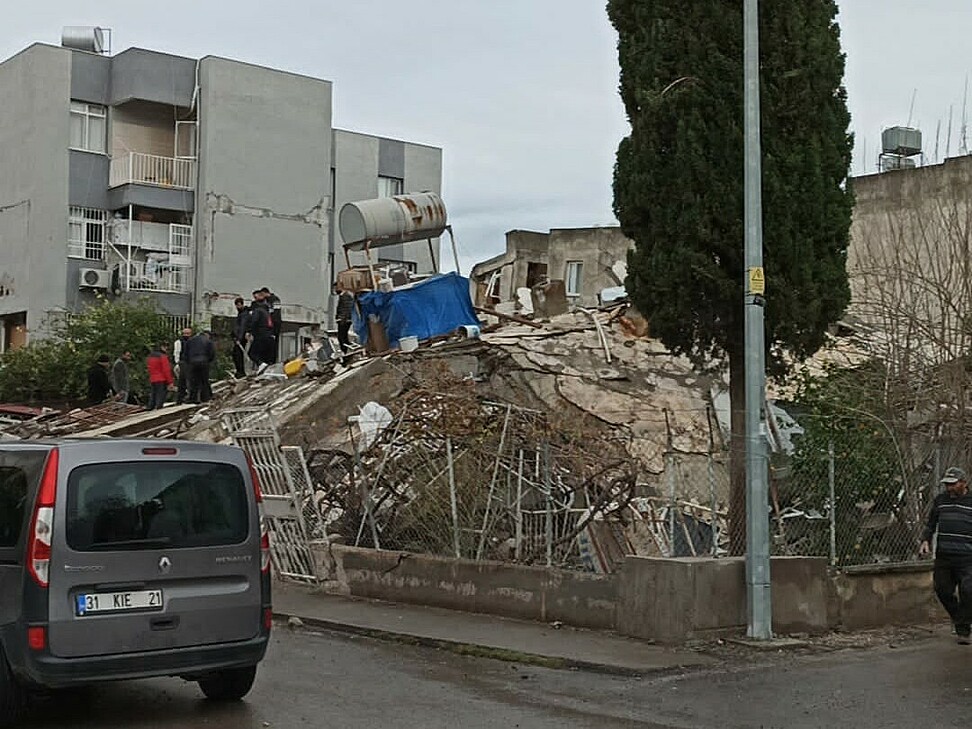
(126, 559)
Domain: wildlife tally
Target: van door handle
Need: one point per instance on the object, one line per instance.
(164, 623)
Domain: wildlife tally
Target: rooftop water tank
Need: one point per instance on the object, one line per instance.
(84, 38)
(902, 141)
(388, 221)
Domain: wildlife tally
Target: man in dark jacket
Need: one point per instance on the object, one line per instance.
(951, 517)
(263, 345)
(200, 353)
(343, 315)
(99, 383)
(276, 317)
(239, 336)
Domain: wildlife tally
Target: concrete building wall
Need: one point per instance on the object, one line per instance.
(264, 183)
(359, 159)
(598, 250)
(34, 134)
(152, 76)
(908, 259)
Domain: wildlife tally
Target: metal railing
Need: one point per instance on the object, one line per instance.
(158, 276)
(150, 169)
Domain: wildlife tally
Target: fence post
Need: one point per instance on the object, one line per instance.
(519, 509)
(710, 464)
(833, 504)
(549, 490)
(452, 498)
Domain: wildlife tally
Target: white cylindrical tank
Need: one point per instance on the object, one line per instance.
(391, 220)
(83, 38)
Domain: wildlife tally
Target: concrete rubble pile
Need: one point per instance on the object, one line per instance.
(644, 411)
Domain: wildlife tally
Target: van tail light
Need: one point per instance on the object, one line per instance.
(264, 531)
(42, 525)
(37, 637)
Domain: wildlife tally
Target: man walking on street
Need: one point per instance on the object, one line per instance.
(951, 517)
(160, 376)
(120, 377)
(181, 365)
(239, 336)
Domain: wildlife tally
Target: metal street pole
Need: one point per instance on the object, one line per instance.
(757, 522)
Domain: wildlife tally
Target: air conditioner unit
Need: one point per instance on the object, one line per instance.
(94, 278)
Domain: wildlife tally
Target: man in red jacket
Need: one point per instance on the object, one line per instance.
(160, 375)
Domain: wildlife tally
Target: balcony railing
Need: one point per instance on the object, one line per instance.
(158, 276)
(149, 169)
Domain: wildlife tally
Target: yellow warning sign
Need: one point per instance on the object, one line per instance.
(757, 283)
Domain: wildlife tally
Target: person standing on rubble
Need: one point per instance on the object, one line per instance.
(99, 382)
(181, 365)
(200, 353)
(120, 380)
(343, 315)
(276, 317)
(951, 517)
(239, 336)
(160, 376)
(263, 345)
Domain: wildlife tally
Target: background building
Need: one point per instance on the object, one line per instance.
(190, 181)
(587, 260)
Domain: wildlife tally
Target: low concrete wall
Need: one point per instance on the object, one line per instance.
(664, 600)
(517, 591)
(875, 596)
(673, 600)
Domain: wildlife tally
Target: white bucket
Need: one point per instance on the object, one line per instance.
(408, 344)
(468, 331)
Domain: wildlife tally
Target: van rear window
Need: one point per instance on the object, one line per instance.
(170, 505)
(19, 474)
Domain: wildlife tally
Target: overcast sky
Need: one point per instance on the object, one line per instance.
(520, 94)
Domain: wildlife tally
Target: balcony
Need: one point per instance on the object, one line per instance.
(135, 168)
(161, 276)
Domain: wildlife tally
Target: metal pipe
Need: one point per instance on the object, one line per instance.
(492, 486)
(453, 499)
(519, 510)
(833, 504)
(549, 489)
(759, 598)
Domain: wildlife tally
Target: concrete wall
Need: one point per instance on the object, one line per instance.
(137, 73)
(359, 159)
(908, 256)
(34, 134)
(597, 248)
(264, 182)
(870, 597)
(530, 593)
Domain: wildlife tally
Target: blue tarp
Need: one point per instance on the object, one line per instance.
(439, 305)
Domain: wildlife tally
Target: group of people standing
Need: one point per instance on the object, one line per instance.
(256, 332)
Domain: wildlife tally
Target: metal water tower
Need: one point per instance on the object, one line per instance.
(899, 147)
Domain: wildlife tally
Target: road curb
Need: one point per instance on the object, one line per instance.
(477, 650)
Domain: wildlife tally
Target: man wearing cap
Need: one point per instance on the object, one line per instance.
(951, 517)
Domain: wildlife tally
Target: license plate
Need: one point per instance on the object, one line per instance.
(114, 602)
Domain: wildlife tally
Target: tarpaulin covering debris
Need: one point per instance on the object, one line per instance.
(427, 309)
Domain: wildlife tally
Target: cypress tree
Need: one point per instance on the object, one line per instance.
(678, 183)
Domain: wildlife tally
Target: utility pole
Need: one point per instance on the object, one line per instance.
(757, 522)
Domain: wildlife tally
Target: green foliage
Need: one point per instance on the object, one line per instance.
(842, 409)
(678, 180)
(56, 368)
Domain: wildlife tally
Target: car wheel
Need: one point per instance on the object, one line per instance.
(229, 685)
(12, 698)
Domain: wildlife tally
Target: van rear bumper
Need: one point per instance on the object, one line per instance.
(48, 671)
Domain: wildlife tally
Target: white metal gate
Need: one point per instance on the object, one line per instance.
(292, 517)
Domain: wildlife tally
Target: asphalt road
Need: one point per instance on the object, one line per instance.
(325, 680)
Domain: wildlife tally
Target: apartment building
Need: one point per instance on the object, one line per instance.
(188, 181)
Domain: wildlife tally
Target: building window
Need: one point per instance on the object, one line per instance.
(390, 186)
(88, 126)
(87, 233)
(575, 273)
